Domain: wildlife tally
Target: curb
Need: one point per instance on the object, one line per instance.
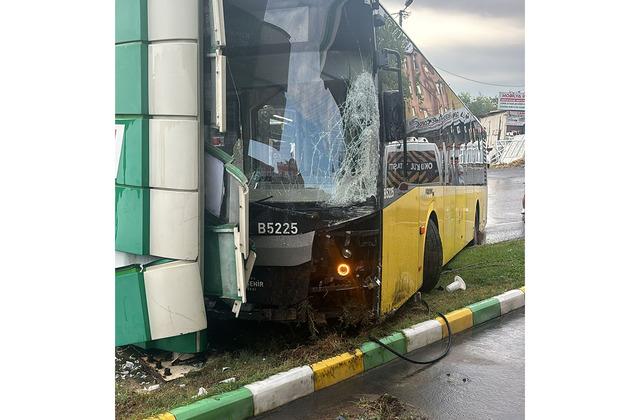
(284, 387)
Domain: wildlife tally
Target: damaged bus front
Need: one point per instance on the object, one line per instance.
(302, 125)
(303, 102)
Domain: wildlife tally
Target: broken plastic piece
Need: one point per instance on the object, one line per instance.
(458, 283)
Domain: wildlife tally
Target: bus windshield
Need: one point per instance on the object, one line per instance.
(300, 86)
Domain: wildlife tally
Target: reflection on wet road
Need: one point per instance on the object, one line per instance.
(506, 189)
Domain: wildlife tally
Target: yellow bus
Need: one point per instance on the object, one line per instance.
(362, 170)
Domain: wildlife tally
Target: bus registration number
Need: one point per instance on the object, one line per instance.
(277, 228)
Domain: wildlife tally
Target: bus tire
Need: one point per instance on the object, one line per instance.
(432, 265)
(476, 229)
(478, 237)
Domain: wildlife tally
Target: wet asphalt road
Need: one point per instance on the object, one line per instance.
(482, 377)
(506, 188)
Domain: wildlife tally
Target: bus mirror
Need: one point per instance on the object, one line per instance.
(382, 60)
(393, 115)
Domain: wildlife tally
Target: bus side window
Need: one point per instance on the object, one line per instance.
(394, 158)
(446, 163)
(425, 170)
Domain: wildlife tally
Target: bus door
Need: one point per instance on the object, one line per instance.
(460, 199)
(427, 162)
(400, 231)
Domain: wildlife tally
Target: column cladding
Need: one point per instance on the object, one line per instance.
(157, 133)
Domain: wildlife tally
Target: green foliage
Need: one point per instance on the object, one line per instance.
(480, 105)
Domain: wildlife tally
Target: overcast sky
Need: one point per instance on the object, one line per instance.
(477, 39)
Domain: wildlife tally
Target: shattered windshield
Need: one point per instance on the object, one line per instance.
(301, 88)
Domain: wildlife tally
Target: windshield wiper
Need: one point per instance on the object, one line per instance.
(262, 200)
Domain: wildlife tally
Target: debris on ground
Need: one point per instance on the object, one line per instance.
(457, 284)
(201, 392)
(228, 381)
(153, 387)
(170, 365)
(385, 406)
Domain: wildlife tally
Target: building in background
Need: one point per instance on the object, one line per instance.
(505, 124)
(508, 120)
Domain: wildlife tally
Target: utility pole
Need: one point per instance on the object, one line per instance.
(402, 13)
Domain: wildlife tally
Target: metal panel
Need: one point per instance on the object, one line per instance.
(133, 165)
(131, 79)
(174, 224)
(132, 325)
(132, 220)
(217, 12)
(173, 154)
(221, 91)
(174, 299)
(173, 79)
(171, 19)
(131, 20)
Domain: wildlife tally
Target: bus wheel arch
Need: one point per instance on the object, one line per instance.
(433, 216)
(433, 256)
(479, 237)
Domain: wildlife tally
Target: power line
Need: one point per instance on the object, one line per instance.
(477, 81)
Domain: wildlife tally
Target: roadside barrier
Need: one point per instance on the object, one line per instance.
(284, 387)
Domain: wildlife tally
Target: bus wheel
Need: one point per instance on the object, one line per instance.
(478, 237)
(476, 230)
(432, 265)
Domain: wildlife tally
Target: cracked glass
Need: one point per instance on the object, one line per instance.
(302, 103)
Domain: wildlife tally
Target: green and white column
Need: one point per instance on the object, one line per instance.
(157, 171)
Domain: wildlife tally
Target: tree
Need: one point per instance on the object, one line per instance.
(480, 105)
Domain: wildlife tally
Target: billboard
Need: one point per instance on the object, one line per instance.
(511, 101)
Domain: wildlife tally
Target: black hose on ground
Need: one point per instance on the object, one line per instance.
(419, 362)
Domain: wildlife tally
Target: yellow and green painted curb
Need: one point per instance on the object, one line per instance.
(284, 387)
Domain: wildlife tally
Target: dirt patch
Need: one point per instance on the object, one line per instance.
(515, 164)
(385, 406)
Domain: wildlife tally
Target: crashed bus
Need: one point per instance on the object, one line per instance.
(337, 172)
